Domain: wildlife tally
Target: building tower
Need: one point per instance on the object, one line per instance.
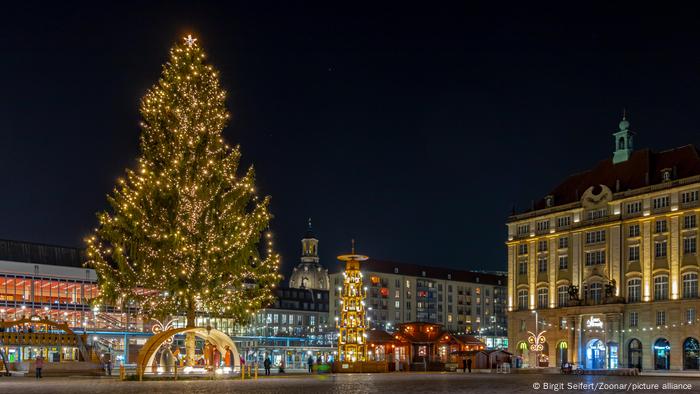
(623, 141)
(352, 323)
(309, 274)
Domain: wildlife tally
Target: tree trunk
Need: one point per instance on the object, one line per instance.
(190, 337)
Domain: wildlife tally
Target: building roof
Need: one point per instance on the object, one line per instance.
(379, 336)
(393, 267)
(644, 168)
(34, 253)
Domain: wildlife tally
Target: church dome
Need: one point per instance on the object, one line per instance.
(309, 274)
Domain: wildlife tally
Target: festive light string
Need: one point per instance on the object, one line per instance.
(185, 231)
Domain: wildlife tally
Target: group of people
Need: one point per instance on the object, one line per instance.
(268, 365)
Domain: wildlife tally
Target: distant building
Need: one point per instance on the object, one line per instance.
(309, 274)
(296, 325)
(607, 263)
(461, 301)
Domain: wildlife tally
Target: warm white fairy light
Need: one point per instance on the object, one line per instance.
(185, 230)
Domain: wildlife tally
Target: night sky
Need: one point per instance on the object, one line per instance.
(413, 130)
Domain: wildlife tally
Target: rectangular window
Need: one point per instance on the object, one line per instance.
(634, 230)
(522, 249)
(634, 287)
(595, 236)
(562, 296)
(522, 299)
(563, 242)
(689, 245)
(597, 214)
(690, 315)
(689, 221)
(564, 221)
(563, 262)
(595, 257)
(660, 202)
(542, 246)
(542, 264)
(523, 229)
(660, 288)
(660, 248)
(397, 304)
(543, 225)
(690, 285)
(690, 196)
(660, 318)
(661, 226)
(633, 254)
(634, 319)
(522, 267)
(634, 207)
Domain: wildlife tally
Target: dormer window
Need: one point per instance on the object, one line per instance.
(666, 174)
(396, 270)
(549, 200)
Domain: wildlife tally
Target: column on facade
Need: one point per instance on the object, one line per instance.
(572, 323)
(552, 271)
(647, 256)
(615, 258)
(512, 274)
(532, 273)
(576, 258)
(674, 255)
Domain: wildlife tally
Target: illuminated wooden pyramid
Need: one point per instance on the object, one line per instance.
(352, 338)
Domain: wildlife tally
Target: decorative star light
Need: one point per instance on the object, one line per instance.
(189, 40)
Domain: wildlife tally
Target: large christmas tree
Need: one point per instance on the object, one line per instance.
(186, 233)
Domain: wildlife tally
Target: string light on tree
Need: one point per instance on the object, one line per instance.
(186, 232)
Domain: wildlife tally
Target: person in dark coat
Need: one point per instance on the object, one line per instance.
(469, 365)
(310, 361)
(267, 363)
(464, 365)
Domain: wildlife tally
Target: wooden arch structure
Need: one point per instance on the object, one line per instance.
(215, 337)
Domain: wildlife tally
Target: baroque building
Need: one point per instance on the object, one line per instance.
(606, 264)
(309, 273)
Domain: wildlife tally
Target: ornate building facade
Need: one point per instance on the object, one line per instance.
(604, 269)
(309, 274)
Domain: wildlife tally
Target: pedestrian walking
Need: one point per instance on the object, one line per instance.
(469, 364)
(109, 365)
(39, 365)
(267, 363)
(464, 365)
(282, 366)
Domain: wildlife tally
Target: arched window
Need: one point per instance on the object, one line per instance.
(661, 287)
(634, 354)
(620, 143)
(563, 295)
(596, 292)
(522, 299)
(690, 285)
(662, 354)
(691, 354)
(634, 290)
(542, 298)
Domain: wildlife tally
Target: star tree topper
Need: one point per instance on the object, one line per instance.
(189, 40)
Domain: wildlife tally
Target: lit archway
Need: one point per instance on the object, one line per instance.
(662, 354)
(691, 354)
(215, 337)
(595, 354)
(634, 354)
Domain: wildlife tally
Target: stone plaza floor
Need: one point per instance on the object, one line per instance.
(366, 383)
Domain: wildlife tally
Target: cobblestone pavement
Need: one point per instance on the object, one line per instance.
(366, 383)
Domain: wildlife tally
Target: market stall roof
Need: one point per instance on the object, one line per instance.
(379, 336)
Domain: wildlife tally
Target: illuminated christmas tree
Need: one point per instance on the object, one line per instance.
(352, 339)
(185, 233)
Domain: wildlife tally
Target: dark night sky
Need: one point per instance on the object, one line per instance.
(413, 130)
